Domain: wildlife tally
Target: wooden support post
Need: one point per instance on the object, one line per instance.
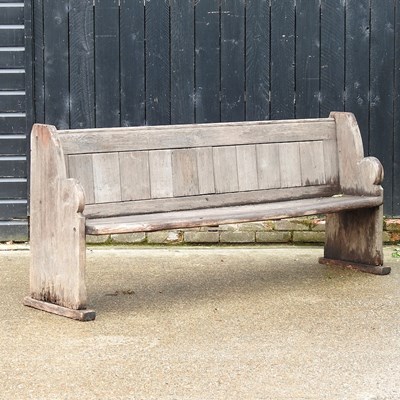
(57, 230)
(354, 238)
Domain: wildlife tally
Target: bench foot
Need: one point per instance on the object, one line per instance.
(80, 315)
(371, 269)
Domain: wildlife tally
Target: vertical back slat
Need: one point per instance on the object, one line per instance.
(312, 163)
(107, 63)
(106, 177)
(132, 62)
(247, 167)
(282, 58)
(289, 164)
(182, 61)
(269, 176)
(81, 64)
(205, 170)
(232, 56)
(161, 183)
(184, 172)
(225, 169)
(207, 61)
(135, 175)
(80, 167)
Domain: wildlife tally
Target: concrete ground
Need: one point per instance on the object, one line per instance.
(206, 323)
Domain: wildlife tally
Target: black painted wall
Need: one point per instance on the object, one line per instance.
(135, 62)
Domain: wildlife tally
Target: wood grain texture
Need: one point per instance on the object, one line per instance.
(289, 164)
(182, 61)
(106, 177)
(227, 215)
(282, 58)
(80, 167)
(312, 163)
(184, 172)
(207, 59)
(358, 175)
(57, 226)
(247, 167)
(257, 59)
(232, 55)
(135, 175)
(161, 181)
(225, 169)
(199, 135)
(132, 59)
(269, 173)
(308, 43)
(205, 170)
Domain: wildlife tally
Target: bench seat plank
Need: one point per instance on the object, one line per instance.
(228, 215)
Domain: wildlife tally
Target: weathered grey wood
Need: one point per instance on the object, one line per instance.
(106, 177)
(225, 169)
(370, 269)
(205, 169)
(358, 175)
(201, 135)
(80, 315)
(331, 161)
(57, 226)
(227, 215)
(289, 164)
(247, 167)
(80, 167)
(184, 172)
(312, 163)
(269, 176)
(135, 175)
(206, 201)
(161, 174)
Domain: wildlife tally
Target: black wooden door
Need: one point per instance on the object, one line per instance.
(13, 149)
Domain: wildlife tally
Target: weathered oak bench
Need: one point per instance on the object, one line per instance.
(141, 179)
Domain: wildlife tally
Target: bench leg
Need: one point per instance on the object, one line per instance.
(354, 240)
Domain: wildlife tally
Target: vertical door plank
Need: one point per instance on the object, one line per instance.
(132, 63)
(307, 58)
(289, 164)
(161, 174)
(107, 63)
(232, 60)
(225, 169)
(182, 61)
(157, 62)
(56, 61)
(207, 61)
(382, 85)
(135, 177)
(38, 59)
(80, 167)
(282, 58)
(247, 167)
(269, 176)
(396, 152)
(312, 163)
(357, 63)
(106, 177)
(257, 59)
(184, 172)
(81, 64)
(332, 56)
(205, 169)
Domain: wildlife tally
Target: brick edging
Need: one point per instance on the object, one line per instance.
(308, 230)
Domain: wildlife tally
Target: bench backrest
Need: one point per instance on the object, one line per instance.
(150, 169)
